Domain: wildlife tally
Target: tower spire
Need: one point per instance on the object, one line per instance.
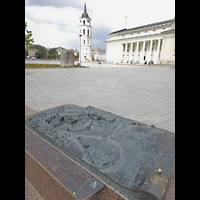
(85, 7)
(85, 14)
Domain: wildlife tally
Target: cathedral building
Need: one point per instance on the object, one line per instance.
(153, 42)
(85, 36)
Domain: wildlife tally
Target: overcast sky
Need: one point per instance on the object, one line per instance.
(56, 22)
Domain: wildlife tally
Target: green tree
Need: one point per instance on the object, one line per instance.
(42, 51)
(28, 40)
(53, 51)
(38, 54)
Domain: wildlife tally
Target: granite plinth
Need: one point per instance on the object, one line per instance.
(125, 153)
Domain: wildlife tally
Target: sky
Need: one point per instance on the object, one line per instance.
(56, 22)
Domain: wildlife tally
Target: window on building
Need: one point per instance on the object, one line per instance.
(128, 48)
(133, 48)
(83, 22)
(83, 41)
(139, 47)
(88, 21)
(88, 32)
(83, 31)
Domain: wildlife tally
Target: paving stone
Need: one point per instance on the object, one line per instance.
(147, 94)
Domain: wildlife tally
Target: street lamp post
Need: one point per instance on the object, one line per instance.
(80, 49)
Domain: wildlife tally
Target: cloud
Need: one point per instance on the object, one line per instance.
(50, 35)
(100, 36)
(55, 3)
(54, 21)
(111, 14)
(53, 26)
(54, 15)
(56, 26)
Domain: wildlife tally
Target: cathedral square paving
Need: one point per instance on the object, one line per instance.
(144, 94)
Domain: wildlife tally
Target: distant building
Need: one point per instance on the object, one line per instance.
(74, 51)
(153, 42)
(31, 52)
(59, 49)
(98, 54)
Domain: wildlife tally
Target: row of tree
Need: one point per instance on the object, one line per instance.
(43, 52)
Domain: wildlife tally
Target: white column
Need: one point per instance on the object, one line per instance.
(136, 52)
(143, 46)
(125, 53)
(143, 51)
(158, 51)
(150, 50)
(130, 53)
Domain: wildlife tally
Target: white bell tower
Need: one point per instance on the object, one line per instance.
(85, 33)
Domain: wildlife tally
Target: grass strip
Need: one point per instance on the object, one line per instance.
(41, 66)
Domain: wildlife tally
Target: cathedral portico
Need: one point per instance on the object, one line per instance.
(129, 46)
(141, 51)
